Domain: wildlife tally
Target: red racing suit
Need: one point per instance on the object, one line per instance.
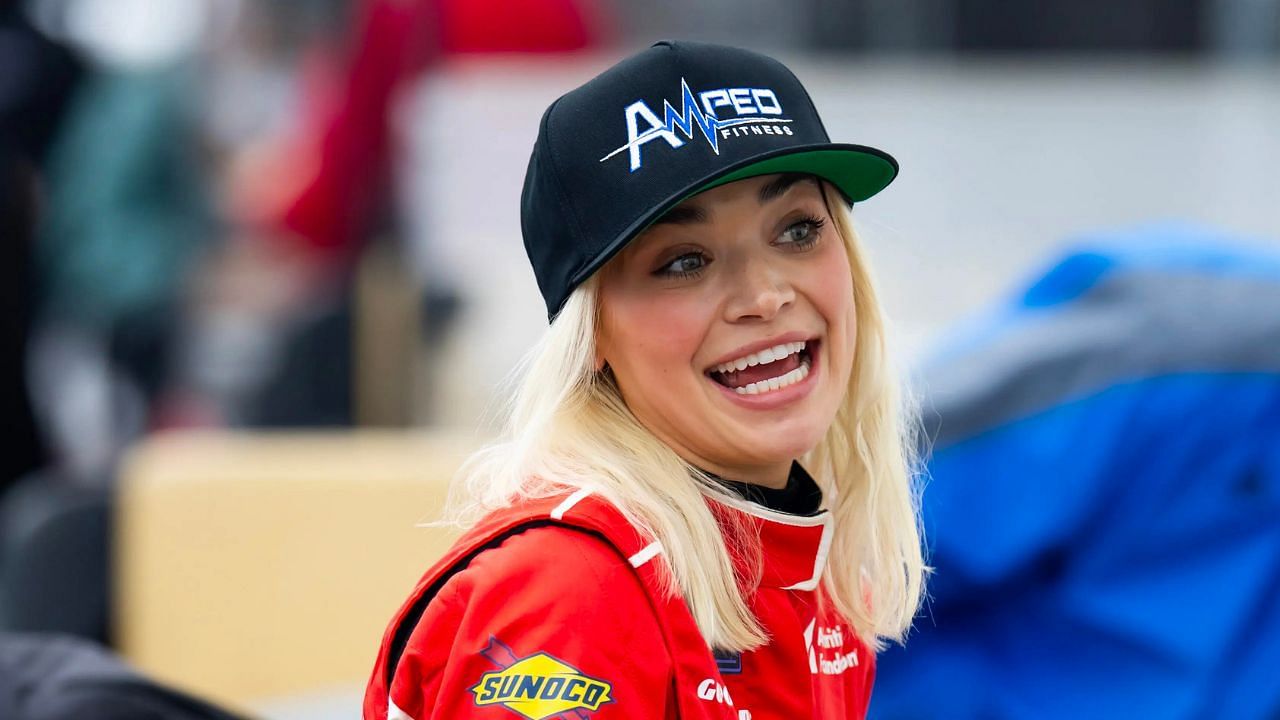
(554, 609)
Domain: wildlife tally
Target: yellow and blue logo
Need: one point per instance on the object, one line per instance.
(538, 686)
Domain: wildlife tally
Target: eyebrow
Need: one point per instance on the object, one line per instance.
(683, 215)
(776, 187)
(690, 214)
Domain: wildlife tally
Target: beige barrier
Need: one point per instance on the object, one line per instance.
(256, 566)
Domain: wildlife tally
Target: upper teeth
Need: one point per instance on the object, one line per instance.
(767, 355)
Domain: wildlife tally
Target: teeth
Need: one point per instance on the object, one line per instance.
(777, 383)
(768, 355)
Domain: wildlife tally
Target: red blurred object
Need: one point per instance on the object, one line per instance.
(345, 140)
(531, 26)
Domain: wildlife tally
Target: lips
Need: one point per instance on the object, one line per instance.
(767, 370)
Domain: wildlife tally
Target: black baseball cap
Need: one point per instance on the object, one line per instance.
(677, 118)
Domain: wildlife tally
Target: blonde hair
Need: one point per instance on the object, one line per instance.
(568, 428)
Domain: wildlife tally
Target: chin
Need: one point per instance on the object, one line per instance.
(788, 446)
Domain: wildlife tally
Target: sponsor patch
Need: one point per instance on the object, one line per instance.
(538, 686)
(826, 650)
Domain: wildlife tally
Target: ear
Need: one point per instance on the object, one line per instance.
(599, 362)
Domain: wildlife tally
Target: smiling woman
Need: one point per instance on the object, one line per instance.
(703, 507)
(754, 307)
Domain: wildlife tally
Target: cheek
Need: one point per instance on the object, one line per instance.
(833, 297)
(652, 337)
(833, 292)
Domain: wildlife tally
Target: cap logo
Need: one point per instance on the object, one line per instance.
(758, 107)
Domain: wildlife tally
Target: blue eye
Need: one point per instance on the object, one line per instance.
(802, 234)
(687, 265)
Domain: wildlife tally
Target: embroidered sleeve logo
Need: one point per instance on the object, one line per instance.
(538, 686)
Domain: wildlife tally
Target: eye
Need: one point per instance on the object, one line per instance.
(686, 265)
(803, 233)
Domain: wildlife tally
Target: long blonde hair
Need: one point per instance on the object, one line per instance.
(567, 427)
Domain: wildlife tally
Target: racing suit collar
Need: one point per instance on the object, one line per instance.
(792, 548)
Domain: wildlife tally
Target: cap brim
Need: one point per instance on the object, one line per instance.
(856, 170)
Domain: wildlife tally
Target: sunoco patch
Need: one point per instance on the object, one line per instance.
(538, 686)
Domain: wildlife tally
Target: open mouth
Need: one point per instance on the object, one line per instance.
(767, 370)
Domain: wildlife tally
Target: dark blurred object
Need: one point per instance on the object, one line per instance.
(37, 77)
(1231, 28)
(47, 677)
(55, 557)
(24, 449)
(311, 385)
(1104, 501)
(1080, 25)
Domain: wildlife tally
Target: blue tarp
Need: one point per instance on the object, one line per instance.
(1103, 507)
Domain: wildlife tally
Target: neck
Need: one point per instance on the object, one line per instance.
(770, 476)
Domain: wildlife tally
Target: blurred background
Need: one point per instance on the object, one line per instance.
(264, 282)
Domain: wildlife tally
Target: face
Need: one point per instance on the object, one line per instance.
(729, 326)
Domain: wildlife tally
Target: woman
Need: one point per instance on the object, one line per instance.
(702, 507)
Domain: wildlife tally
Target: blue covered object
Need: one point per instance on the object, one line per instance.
(1104, 504)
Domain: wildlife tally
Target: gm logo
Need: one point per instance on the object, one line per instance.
(713, 691)
(757, 109)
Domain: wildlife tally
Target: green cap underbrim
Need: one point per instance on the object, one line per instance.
(857, 171)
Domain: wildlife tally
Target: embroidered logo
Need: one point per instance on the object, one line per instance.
(827, 655)
(538, 686)
(757, 112)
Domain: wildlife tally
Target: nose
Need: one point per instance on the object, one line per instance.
(760, 290)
